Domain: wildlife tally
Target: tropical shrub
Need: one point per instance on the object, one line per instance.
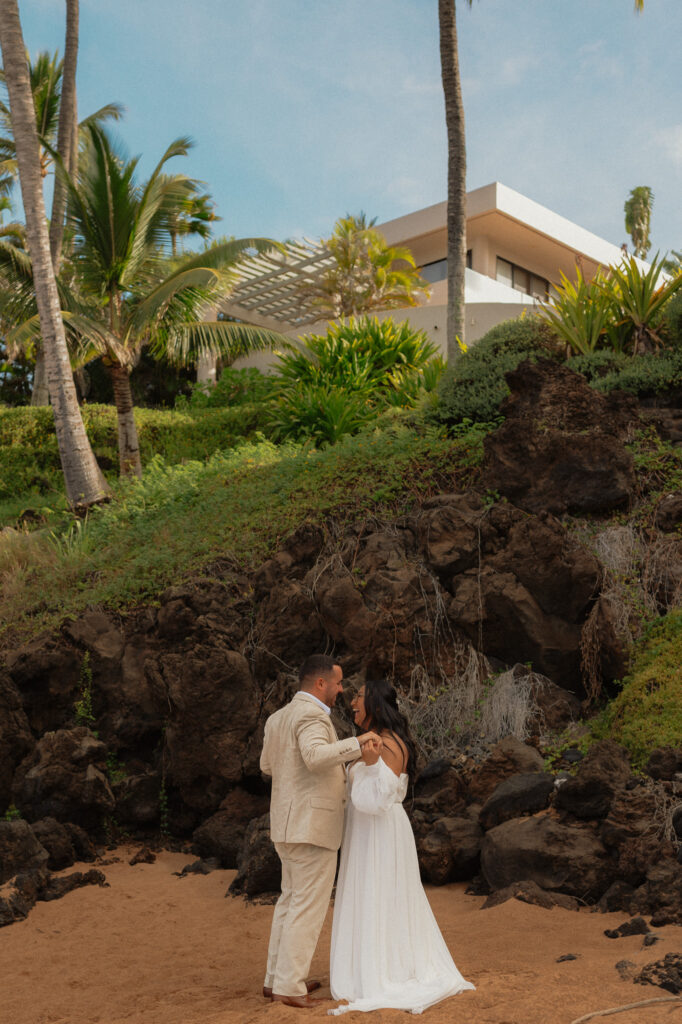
(335, 383)
(474, 386)
(320, 413)
(672, 319)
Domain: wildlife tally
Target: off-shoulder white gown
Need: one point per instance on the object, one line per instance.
(387, 950)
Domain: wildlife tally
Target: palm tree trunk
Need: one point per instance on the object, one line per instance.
(40, 395)
(67, 131)
(454, 121)
(85, 484)
(128, 445)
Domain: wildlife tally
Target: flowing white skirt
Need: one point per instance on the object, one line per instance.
(387, 950)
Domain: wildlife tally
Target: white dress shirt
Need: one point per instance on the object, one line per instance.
(325, 707)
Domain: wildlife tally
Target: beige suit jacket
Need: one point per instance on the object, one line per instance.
(305, 758)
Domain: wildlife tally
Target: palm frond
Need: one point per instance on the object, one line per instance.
(230, 253)
(203, 285)
(14, 262)
(109, 112)
(215, 339)
(21, 340)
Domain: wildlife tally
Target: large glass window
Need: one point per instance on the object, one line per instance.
(436, 271)
(521, 280)
(505, 272)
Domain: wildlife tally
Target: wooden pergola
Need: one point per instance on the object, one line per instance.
(271, 288)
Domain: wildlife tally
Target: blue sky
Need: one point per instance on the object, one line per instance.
(304, 110)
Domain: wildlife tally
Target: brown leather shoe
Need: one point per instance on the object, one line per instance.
(310, 985)
(307, 1002)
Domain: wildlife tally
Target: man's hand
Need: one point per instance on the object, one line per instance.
(369, 737)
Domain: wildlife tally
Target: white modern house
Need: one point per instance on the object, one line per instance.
(516, 252)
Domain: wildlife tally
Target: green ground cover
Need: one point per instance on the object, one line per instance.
(647, 713)
(238, 503)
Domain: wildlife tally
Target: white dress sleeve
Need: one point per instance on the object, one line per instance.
(375, 787)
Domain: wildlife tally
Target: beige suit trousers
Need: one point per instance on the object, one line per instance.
(307, 879)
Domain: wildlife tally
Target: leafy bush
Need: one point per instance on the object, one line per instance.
(638, 375)
(319, 413)
(648, 711)
(474, 386)
(247, 386)
(672, 320)
(337, 382)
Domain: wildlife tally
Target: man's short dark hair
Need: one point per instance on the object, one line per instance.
(316, 665)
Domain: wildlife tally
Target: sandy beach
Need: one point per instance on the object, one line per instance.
(157, 949)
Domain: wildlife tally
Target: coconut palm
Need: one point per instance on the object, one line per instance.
(456, 219)
(194, 216)
(130, 295)
(46, 76)
(85, 484)
(52, 81)
(637, 209)
(67, 130)
(367, 273)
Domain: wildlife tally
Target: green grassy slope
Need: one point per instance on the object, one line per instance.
(239, 503)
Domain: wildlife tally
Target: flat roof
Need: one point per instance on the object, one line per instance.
(500, 199)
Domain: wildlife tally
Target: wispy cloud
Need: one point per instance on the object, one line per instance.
(514, 69)
(669, 141)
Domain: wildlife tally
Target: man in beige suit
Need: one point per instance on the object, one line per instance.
(305, 758)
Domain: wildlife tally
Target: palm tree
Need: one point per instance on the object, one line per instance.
(52, 81)
(194, 216)
(85, 484)
(67, 131)
(367, 273)
(456, 219)
(637, 209)
(129, 295)
(46, 74)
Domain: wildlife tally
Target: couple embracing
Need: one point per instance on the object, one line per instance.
(386, 950)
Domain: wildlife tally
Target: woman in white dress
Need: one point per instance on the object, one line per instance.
(387, 950)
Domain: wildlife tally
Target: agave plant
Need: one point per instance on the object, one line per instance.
(580, 313)
(619, 309)
(638, 298)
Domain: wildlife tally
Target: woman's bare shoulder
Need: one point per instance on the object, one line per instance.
(394, 752)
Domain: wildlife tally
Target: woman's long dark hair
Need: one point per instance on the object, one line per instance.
(383, 713)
